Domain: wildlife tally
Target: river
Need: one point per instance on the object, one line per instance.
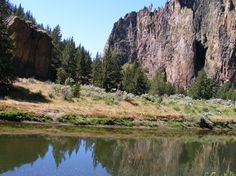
(116, 154)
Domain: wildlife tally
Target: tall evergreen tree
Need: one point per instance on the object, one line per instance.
(83, 66)
(28, 16)
(5, 8)
(112, 70)
(57, 43)
(140, 80)
(20, 12)
(6, 49)
(97, 71)
(68, 65)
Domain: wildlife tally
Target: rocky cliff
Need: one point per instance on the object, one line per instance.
(33, 48)
(180, 39)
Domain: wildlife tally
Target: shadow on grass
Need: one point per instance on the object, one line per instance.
(22, 94)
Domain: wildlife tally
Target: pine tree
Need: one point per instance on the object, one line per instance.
(128, 79)
(20, 12)
(57, 45)
(5, 8)
(97, 71)
(83, 66)
(6, 51)
(112, 75)
(140, 80)
(28, 16)
(68, 65)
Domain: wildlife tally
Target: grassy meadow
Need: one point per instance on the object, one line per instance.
(36, 101)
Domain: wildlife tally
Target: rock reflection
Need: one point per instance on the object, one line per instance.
(126, 157)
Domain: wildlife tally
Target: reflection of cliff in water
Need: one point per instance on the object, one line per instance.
(164, 157)
(126, 157)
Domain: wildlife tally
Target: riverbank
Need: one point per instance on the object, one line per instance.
(41, 102)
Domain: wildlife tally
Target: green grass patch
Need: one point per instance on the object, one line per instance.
(86, 120)
(18, 116)
(175, 124)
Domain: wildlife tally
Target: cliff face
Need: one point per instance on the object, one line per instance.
(180, 39)
(33, 48)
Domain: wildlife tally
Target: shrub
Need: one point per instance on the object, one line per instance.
(66, 92)
(159, 101)
(128, 96)
(181, 91)
(69, 82)
(76, 90)
(148, 98)
(111, 100)
(226, 92)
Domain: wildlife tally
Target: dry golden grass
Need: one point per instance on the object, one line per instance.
(55, 106)
(84, 105)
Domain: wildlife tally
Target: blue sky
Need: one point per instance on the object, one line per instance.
(88, 21)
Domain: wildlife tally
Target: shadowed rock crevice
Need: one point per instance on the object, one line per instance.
(200, 58)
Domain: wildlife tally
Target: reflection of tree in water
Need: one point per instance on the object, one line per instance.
(62, 146)
(16, 151)
(126, 157)
(167, 156)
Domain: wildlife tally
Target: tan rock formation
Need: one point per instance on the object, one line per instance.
(33, 48)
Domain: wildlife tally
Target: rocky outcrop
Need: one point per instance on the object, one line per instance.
(180, 39)
(33, 48)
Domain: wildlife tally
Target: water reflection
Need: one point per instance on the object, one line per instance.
(65, 156)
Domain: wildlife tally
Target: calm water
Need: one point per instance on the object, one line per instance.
(73, 156)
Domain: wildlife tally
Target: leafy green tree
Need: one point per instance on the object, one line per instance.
(160, 87)
(97, 71)
(134, 79)
(203, 87)
(112, 70)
